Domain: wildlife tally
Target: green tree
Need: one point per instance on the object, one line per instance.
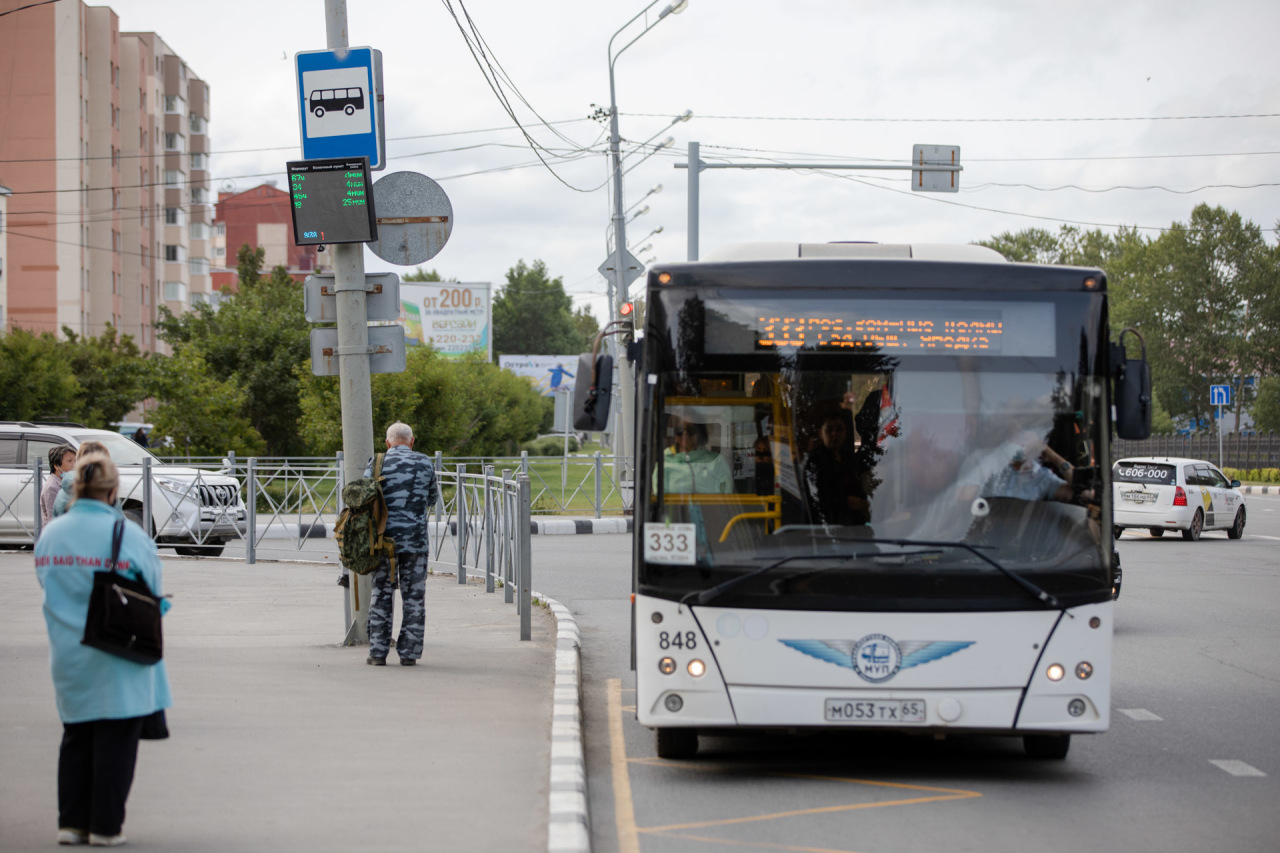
(1266, 405)
(203, 415)
(254, 340)
(588, 327)
(1190, 293)
(111, 372)
(463, 407)
(532, 315)
(420, 274)
(37, 379)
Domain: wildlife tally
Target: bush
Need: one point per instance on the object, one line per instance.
(549, 445)
(1253, 475)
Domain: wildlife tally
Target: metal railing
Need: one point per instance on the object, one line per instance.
(1246, 452)
(480, 525)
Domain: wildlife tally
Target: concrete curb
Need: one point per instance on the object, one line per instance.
(568, 824)
(1260, 490)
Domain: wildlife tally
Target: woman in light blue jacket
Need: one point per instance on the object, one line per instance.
(102, 699)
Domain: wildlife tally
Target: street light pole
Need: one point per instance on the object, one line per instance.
(624, 433)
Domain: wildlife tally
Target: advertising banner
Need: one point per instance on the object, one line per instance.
(454, 317)
(548, 373)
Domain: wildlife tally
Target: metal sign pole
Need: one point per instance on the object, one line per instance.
(1220, 459)
(353, 362)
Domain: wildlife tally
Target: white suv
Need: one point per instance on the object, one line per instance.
(195, 512)
(1163, 493)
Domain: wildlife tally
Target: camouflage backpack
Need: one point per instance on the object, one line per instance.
(361, 528)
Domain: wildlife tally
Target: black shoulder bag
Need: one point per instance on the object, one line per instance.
(124, 615)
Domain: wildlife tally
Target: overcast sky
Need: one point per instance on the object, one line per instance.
(782, 80)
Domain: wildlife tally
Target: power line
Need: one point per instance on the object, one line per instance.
(222, 152)
(494, 85)
(934, 198)
(28, 6)
(980, 187)
(886, 120)
(830, 157)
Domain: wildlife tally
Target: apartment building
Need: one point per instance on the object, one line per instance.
(105, 149)
(260, 217)
(4, 242)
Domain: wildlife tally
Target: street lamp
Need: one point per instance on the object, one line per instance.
(623, 441)
(641, 212)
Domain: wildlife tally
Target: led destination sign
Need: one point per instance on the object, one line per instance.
(793, 323)
(332, 201)
(920, 331)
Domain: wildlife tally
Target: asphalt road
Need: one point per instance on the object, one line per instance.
(1192, 760)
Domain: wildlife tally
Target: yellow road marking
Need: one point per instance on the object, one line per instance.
(802, 812)
(766, 844)
(624, 812)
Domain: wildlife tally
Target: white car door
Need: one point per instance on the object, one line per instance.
(17, 494)
(1212, 502)
(1225, 499)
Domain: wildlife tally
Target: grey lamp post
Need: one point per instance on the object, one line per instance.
(624, 435)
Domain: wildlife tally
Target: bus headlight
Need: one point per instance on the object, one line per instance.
(697, 668)
(1075, 707)
(1055, 672)
(666, 666)
(673, 702)
(1084, 669)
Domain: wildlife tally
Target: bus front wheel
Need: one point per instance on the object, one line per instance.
(676, 744)
(1053, 747)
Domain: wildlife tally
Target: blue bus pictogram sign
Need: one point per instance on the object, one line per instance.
(338, 104)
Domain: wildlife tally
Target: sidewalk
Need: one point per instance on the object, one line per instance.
(284, 740)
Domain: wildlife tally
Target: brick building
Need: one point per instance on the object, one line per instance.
(261, 217)
(104, 145)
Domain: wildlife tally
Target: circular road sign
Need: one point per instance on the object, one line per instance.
(415, 218)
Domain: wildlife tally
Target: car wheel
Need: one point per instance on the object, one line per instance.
(1192, 533)
(134, 514)
(1116, 530)
(1157, 532)
(1047, 747)
(1236, 531)
(210, 550)
(676, 744)
(318, 112)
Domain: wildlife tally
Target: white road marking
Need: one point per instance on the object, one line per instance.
(1140, 714)
(1260, 536)
(1236, 767)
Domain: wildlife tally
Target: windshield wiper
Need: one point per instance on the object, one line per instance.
(1047, 598)
(705, 596)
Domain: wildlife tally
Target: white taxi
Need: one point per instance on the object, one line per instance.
(1166, 493)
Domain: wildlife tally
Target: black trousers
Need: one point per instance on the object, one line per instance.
(95, 772)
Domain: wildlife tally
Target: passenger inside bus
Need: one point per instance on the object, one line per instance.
(833, 478)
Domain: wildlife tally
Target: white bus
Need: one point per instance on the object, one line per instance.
(873, 489)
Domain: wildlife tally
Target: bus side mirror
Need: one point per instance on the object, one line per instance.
(592, 388)
(1133, 399)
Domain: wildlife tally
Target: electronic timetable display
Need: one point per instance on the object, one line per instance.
(332, 201)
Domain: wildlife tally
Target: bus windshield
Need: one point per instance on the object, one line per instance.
(873, 448)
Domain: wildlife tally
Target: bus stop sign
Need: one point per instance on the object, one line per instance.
(339, 104)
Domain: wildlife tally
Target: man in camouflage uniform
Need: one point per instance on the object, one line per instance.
(409, 487)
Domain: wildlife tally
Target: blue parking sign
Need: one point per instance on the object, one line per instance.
(1219, 395)
(338, 108)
